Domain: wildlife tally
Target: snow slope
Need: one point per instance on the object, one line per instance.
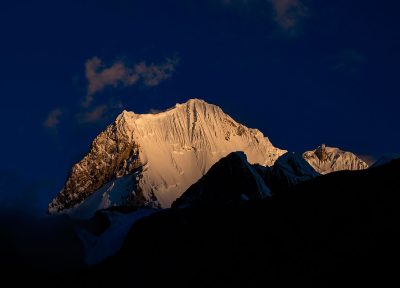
(168, 151)
(114, 193)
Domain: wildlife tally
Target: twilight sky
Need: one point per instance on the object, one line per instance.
(304, 72)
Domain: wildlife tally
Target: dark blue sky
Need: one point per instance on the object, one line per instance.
(303, 72)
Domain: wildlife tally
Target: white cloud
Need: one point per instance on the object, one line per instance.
(119, 74)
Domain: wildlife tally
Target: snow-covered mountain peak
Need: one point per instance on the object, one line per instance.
(163, 153)
(195, 105)
(194, 125)
(194, 101)
(326, 159)
(189, 111)
(125, 115)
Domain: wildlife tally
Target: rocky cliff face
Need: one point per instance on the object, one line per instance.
(328, 159)
(113, 154)
(159, 156)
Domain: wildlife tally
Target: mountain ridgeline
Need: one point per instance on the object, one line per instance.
(150, 160)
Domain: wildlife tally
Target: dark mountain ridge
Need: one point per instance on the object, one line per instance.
(338, 229)
(333, 230)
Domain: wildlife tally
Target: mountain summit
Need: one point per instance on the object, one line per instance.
(151, 159)
(326, 159)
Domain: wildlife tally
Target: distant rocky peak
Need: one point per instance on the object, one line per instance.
(326, 159)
